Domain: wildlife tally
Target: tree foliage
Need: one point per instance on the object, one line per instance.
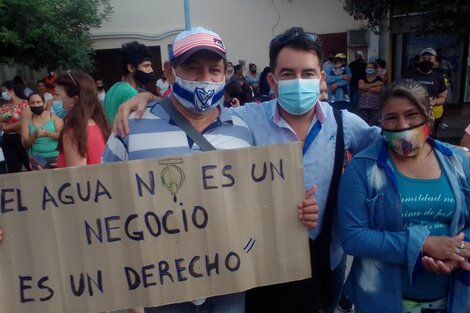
(39, 33)
(451, 16)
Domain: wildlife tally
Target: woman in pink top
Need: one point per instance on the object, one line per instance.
(86, 130)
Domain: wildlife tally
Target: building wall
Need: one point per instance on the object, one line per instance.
(246, 26)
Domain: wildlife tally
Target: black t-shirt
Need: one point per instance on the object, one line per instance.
(358, 71)
(434, 82)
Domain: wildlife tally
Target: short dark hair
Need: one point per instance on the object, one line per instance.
(134, 53)
(17, 89)
(295, 38)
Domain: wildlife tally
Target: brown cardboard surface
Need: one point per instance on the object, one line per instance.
(151, 232)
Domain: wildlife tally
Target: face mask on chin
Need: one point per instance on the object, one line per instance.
(298, 96)
(407, 142)
(198, 96)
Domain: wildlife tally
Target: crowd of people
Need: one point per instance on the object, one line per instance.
(400, 207)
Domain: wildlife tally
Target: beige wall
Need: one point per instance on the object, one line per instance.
(246, 26)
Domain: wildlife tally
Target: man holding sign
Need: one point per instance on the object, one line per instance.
(298, 114)
(197, 68)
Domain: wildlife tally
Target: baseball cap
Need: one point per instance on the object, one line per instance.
(340, 56)
(359, 52)
(193, 40)
(430, 51)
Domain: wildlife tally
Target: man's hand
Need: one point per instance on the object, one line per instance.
(138, 103)
(308, 209)
(1, 234)
(333, 86)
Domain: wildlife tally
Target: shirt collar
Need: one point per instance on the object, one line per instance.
(317, 109)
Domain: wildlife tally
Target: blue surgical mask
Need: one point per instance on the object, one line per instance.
(6, 96)
(370, 71)
(298, 96)
(58, 108)
(198, 96)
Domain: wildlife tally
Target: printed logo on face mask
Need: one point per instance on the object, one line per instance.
(202, 98)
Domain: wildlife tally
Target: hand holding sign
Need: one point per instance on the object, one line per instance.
(308, 209)
(153, 232)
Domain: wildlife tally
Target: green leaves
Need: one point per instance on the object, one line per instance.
(451, 16)
(39, 33)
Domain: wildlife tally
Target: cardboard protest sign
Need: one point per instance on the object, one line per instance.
(151, 232)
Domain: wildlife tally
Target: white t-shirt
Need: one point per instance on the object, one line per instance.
(162, 86)
(48, 96)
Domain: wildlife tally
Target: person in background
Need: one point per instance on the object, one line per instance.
(49, 79)
(252, 78)
(83, 137)
(370, 88)
(403, 211)
(358, 71)
(40, 132)
(101, 91)
(17, 80)
(136, 68)
(382, 70)
(338, 83)
(11, 114)
(163, 86)
(328, 64)
(237, 93)
(229, 72)
(238, 73)
(264, 88)
(434, 83)
(42, 90)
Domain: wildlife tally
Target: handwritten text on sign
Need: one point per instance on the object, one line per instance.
(151, 232)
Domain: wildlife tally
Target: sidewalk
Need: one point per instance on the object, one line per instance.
(458, 120)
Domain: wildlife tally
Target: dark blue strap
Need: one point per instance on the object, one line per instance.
(312, 134)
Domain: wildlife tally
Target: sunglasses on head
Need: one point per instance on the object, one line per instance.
(286, 38)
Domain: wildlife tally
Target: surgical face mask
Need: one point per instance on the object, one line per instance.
(425, 66)
(143, 77)
(407, 142)
(298, 96)
(198, 96)
(339, 71)
(58, 108)
(6, 96)
(370, 71)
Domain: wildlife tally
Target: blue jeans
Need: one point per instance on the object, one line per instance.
(231, 303)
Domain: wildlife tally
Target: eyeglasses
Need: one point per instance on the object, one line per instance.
(70, 75)
(283, 39)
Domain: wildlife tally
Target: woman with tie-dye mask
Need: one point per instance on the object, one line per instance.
(403, 214)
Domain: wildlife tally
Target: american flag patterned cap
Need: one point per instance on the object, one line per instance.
(193, 40)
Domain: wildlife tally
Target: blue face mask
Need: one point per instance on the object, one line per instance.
(298, 96)
(198, 97)
(370, 71)
(6, 96)
(58, 108)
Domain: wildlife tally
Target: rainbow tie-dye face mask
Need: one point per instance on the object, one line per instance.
(407, 142)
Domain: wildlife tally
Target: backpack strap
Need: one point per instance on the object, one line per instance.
(186, 126)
